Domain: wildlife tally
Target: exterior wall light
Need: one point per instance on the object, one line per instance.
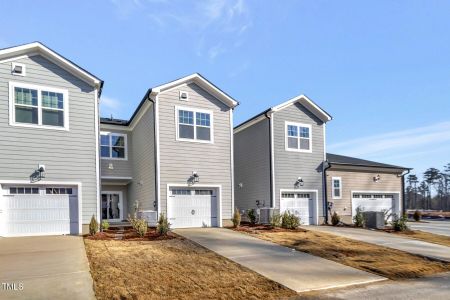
(299, 182)
(377, 178)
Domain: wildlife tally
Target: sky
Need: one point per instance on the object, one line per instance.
(380, 68)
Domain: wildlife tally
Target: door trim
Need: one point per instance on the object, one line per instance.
(120, 193)
(79, 186)
(316, 192)
(213, 186)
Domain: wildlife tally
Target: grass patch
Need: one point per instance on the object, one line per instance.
(387, 262)
(426, 237)
(172, 269)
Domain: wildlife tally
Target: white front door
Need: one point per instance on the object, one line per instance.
(192, 207)
(300, 204)
(381, 202)
(34, 210)
(112, 208)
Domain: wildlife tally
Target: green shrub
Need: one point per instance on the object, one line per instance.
(236, 218)
(275, 220)
(93, 226)
(417, 216)
(163, 225)
(399, 224)
(335, 219)
(289, 221)
(141, 227)
(358, 219)
(105, 224)
(251, 214)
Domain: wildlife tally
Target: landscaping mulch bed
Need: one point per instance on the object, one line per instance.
(172, 269)
(387, 262)
(128, 234)
(258, 228)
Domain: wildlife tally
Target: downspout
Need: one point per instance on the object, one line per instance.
(403, 191)
(272, 201)
(155, 161)
(325, 192)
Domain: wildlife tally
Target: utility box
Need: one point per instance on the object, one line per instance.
(265, 213)
(150, 216)
(374, 219)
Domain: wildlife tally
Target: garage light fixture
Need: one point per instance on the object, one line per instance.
(195, 178)
(376, 178)
(299, 182)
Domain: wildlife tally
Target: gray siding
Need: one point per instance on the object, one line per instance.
(179, 158)
(121, 168)
(252, 165)
(290, 165)
(68, 155)
(142, 187)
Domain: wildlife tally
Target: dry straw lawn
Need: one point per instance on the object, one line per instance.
(172, 269)
(427, 237)
(387, 262)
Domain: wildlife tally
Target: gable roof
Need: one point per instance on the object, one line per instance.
(53, 56)
(302, 99)
(335, 159)
(152, 92)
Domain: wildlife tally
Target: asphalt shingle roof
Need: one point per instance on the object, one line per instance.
(353, 161)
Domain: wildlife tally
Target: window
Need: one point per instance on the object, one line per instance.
(113, 145)
(194, 125)
(37, 106)
(337, 187)
(18, 69)
(181, 192)
(23, 190)
(58, 191)
(298, 137)
(204, 192)
(287, 195)
(308, 196)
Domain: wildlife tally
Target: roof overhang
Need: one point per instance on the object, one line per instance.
(37, 48)
(200, 81)
(309, 104)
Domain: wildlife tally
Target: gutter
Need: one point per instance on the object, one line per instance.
(325, 195)
(272, 201)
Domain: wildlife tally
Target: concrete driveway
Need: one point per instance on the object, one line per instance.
(296, 270)
(389, 240)
(441, 227)
(48, 267)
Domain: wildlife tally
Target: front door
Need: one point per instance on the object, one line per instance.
(112, 206)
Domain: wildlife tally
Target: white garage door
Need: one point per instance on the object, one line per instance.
(192, 207)
(26, 211)
(384, 202)
(299, 204)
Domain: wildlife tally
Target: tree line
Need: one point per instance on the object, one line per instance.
(432, 192)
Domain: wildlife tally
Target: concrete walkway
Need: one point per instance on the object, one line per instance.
(296, 270)
(48, 267)
(434, 287)
(441, 227)
(389, 240)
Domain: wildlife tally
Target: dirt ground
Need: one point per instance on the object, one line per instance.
(390, 263)
(427, 237)
(172, 269)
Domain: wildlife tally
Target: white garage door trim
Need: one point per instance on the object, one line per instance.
(79, 186)
(397, 197)
(316, 202)
(218, 187)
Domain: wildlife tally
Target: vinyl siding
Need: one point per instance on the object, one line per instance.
(67, 155)
(290, 165)
(142, 187)
(359, 181)
(179, 158)
(121, 168)
(252, 165)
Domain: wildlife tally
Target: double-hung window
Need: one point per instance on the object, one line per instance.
(298, 137)
(38, 106)
(113, 145)
(336, 187)
(194, 125)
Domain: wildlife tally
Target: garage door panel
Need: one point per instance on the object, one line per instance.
(375, 202)
(299, 204)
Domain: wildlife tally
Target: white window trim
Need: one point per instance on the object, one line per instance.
(39, 88)
(181, 99)
(124, 135)
(333, 188)
(194, 110)
(24, 69)
(286, 124)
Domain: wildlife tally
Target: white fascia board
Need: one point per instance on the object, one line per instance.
(198, 79)
(52, 56)
(308, 103)
(250, 123)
